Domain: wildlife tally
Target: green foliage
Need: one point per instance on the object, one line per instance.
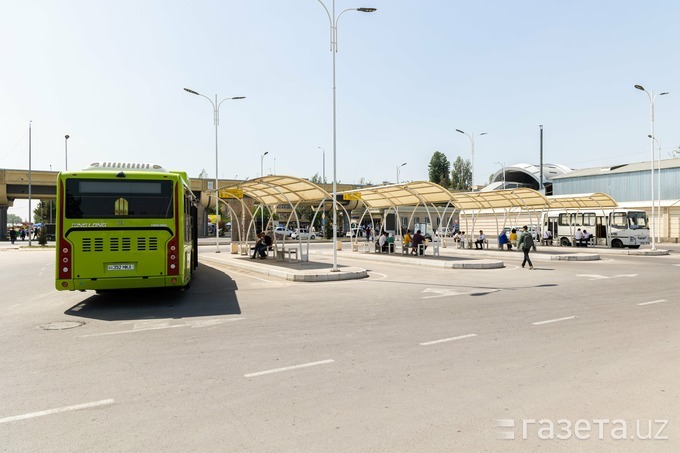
(439, 169)
(41, 213)
(461, 175)
(13, 218)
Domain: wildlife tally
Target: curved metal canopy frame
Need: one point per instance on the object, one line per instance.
(274, 190)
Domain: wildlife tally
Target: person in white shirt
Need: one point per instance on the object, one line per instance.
(578, 238)
(382, 242)
(479, 243)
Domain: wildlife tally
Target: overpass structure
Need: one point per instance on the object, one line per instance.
(14, 185)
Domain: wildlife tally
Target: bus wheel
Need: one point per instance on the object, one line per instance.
(564, 242)
(617, 244)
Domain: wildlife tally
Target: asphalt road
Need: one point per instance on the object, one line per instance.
(576, 356)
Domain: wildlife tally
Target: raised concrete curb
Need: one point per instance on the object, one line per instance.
(441, 261)
(576, 257)
(295, 275)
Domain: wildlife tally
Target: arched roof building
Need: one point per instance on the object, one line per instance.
(526, 175)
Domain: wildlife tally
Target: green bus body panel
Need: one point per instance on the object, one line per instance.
(124, 253)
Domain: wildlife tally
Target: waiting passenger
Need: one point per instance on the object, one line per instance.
(503, 240)
(419, 239)
(479, 243)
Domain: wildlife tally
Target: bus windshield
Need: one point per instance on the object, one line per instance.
(124, 198)
(637, 219)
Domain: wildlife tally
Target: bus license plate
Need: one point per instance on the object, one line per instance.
(121, 267)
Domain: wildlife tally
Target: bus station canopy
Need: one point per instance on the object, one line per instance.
(278, 189)
(407, 194)
(500, 199)
(597, 200)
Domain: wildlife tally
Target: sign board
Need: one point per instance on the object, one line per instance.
(231, 193)
(351, 196)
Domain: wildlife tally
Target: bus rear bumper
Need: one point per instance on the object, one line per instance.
(82, 284)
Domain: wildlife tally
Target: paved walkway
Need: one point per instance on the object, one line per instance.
(319, 267)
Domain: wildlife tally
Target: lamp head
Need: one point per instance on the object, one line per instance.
(67, 137)
(640, 87)
(190, 91)
(239, 97)
(458, 130)
(483, 133)
(665, 92)
(367, 10)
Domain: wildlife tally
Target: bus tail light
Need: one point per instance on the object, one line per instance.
(65, 262)
(173, 257)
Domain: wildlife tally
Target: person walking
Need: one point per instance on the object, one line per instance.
(526, 242)
(13, 235)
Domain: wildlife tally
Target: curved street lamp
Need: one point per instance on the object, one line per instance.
(471, 136)
(398, 167)
(66, 137)
(216, 117)
(333, 22)
(652, 97)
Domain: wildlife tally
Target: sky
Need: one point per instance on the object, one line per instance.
(111, 76)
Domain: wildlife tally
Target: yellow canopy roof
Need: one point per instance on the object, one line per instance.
(580, 201)
(500, 199)
(278, 189)
(407, 194)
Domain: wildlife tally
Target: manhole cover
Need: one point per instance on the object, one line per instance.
(61, 325)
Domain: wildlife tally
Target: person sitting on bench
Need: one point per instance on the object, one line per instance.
(260, 246)
(418, 239)
(479, 243)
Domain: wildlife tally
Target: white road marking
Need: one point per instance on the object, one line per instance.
(190, 323)
(444, 340)
(600, 277)
(56, 411)
(552, 320)
(197, 323)
(288, 368)
(118, 332)
(653, 302)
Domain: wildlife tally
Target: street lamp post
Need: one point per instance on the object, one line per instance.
(333, 22)
(261, 175)
(652, 97)
(471, 136)
(398, 167)
(502, 164)
(323, 181)
(658, 187)
(216, 117)
(30, 180)
(66, 137)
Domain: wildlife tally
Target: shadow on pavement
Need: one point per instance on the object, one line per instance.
(212, 293)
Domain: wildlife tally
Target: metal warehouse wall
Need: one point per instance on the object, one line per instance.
(623, 187)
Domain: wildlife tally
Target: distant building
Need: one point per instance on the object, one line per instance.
(526, 175)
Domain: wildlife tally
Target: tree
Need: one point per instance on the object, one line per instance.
(675, 153)
(41, 213)
(461, 175)
(13, 218)
(439, 169)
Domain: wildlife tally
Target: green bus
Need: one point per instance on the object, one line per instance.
(124, 226)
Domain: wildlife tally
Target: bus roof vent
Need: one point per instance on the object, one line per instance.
(129, 166)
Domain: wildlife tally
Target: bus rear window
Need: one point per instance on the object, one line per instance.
(113, 198)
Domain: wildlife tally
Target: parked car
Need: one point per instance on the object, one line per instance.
(445, 232)
(282, 231)
(302, 234)
(354, 232)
